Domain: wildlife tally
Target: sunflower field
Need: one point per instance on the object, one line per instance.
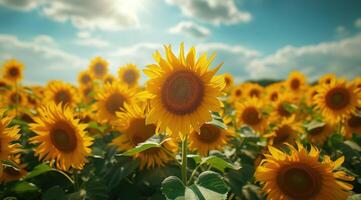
(188, 133)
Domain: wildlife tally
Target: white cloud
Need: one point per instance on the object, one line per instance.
(191, 29)
(341, 57)
(358, 23)
(341, 31)
(212, 11)
(109, 15)
(42, 62)
(86, 39)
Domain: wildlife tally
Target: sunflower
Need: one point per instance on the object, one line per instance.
(253, 90)
(300, 175)
(85, 78)
(13, 71)
(129, 75)
(4, 86)
(109, 78)
(357, 83)
(209, 138)
(87, 93)
(98, 67)
(320, 133)
(352, 125)
(228, 79)
(184, 91)
(60, 92)
(284, 132)
(296, 83)
(11, 174)
(327, 79)
(111, 99)
(236, 94)
(131, 123)
(8, 135)
(311, 94)
(284, 107)
(337, 100)
(249, 112)
(273, 92)
(16, 98)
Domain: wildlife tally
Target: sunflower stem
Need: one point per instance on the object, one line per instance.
(184, 160)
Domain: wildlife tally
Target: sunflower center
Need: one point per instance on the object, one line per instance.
(338, 98)
(354, 121)
(282, 134)
(139, 131)
(114, 103)
(99, 68)
(299, 181)
(63, 138)
(209, 133)
(317, 131)
(85, 79)
(274, 96)
(62, 96)
(14, 72)
(295, 84)
(129, 77)
(15, 98)
(251, 116)
(227, 80)
(282, 110)
(182, 92)
(11, 171)
(238, 92)
(255, 93)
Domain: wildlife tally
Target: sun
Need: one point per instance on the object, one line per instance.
(110, 99)
(13, 71)
(61, 92)
(184, 91)
(98, 67)
(129, 75)
(60, 137)
(131, 123)
(300, 175)
(8, 137)
(337, 100)
(249, 112)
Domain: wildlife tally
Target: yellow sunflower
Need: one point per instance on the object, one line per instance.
(284, 107)
(319, 134)
(273, 91)
(87, 93)
(253, 90)
(287, 131)
(16, 98)
(13, 71)
(129, 75)
(236, 94)
(111, 99)
(98, 68)
(296, 83)
(4, 86)
(60, 92)
(357, 83)
(10, 174)
(8, 136)
(311, 94)
(327, 79)
(60, 137)
(352, 125)
(109, 78)
(337, 100)
(131, 123)
(228, 79)
(300, 175)
(184, 91)
(85, 78)
(249, 112)
(209, 138)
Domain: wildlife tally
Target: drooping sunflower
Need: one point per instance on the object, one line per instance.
(129, 75)
(131, 123)
(352, 125)
(319, 134)
(337, 100)
(228, 79)
(60, 92)
(300, 175)
(287, 131)
(8, 136)
(296, 83)
(11, 174)
(60, 137)
(253, 90)
(109, 78)
(13, 71)
(327, 79)
(184, 91)
(85, 78)
(210, 137)
(111, 99)
(249, 112)
(98, 68)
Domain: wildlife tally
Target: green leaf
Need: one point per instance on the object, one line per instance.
(95, 189)
(218, 163)
(38, 170)
(289, 107)
(25, 187)
(353, 145)
(54, 193)
(314, 124)
(197, 159)
(217, 121)
(354, 197)
(173, 188)
(141, 147)
(9, 163)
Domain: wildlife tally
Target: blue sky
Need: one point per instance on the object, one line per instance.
(255, 38)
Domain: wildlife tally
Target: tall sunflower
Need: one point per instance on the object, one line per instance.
(129, 75)
(60, 92)
(98, 67)
(85, 78)
(60, 137)
(184, 91)
(300, 175)
(13, 71)
(8, 136)
(296, 83)
(210, 137)
(110, 99)
(337, 100)
(352, 125)
(249, 112)
(131, 123)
